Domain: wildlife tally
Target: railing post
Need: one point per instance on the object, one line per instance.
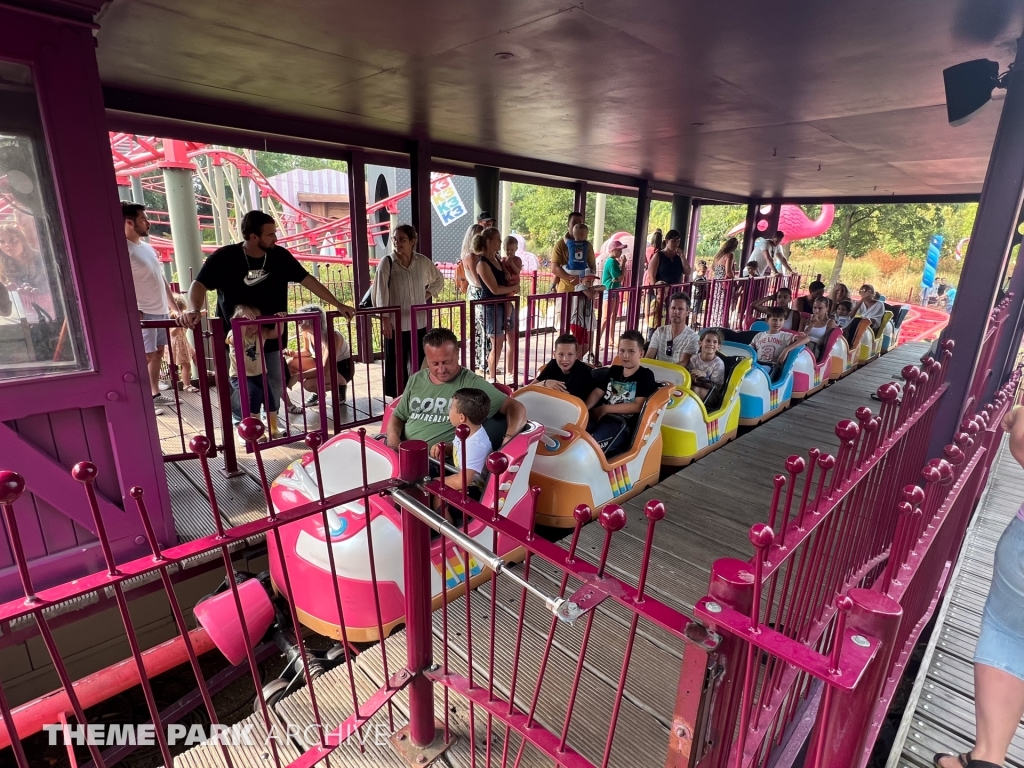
(842, 732)
(218, 349)
(412, 468)
(732, 585)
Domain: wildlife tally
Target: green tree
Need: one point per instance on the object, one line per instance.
(539, 215)
(274, 163)
(715, 222)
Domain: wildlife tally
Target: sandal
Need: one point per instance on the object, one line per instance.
(191, 388)
(965, 760)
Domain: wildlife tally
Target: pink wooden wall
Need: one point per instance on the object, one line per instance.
(47, 424)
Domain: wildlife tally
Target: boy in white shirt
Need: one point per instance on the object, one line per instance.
(772, 346)
(470, 407)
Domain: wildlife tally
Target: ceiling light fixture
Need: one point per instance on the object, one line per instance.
(969, 88)
(504, 55)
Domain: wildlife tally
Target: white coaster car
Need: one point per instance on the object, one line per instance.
(853, 337)
(761, 397)
(812, 372)
(570, 468)
(305, 542)
(690, 430)
(891, 334)
(871, 341)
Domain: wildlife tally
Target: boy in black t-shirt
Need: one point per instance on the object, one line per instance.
(565, 372)
(619, 395)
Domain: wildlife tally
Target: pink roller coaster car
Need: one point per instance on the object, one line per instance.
(308, 546)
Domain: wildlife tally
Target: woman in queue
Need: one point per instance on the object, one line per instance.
(475, 291)
(404, 278)
(495, 283)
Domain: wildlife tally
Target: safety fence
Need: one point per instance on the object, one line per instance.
(366, 524)
(983, 371)
(818, 626)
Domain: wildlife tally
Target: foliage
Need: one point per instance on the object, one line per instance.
(274, 163)
(539, 214)
(715, 221)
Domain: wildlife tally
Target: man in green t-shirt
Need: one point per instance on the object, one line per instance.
(422, 413)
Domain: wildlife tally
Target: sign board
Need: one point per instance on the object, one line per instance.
(445, 199)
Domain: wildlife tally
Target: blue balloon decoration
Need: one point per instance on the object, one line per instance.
(931, 262)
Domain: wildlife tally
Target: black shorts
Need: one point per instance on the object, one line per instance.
(345, 368)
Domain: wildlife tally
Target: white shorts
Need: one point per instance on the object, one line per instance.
(153, 338)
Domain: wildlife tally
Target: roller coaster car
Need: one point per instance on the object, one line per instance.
(891, 334)
(853, 336)
(871, 342)
(761, 396)
(570, 468)
(692, 428)
(305, 542)
(813, 371)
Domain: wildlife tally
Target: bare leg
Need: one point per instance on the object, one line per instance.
(510, 363)
(999, 706)
(495, 356)
(153, 360)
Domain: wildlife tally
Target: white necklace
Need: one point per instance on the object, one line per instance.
(254, 276)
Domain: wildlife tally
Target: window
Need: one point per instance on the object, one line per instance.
(40, 324)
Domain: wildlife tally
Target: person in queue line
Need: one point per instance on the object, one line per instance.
(468, 260)
(781, 298)
(654, 244)
(774, 345)
(565, 372)
(564, 282)
(668, 265)
(819, 325)
(999, 653)
(303, 364)
(815, 291)
(182, 353)
(254, 273)
(581, 315)
(619, 394)
(767, 252)
(676, 342)
(751, 269)
(869, 307)
(498, 320)
(486, 220)
(611, 278)
(707, 370)
(260, 393)
(422, 411)
(723, 266)
(404, 278)
(569, 263)
(153, 294)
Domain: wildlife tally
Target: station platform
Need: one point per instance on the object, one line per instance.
(939, 715)
(710, 507)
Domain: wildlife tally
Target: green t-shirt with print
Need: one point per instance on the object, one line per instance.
(424, 405)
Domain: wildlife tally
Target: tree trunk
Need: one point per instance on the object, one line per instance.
(844, 244)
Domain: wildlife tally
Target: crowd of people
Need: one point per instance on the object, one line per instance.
(251, 281)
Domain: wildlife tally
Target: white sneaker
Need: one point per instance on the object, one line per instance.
(159, 411)
(163, 386)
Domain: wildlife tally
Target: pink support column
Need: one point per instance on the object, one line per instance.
(844, 730)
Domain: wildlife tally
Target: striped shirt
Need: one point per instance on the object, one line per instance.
(395, 284)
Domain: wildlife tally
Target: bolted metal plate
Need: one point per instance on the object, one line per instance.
(421, 756)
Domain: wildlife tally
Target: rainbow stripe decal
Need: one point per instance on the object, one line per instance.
(774, 398)
(619, 480)
(455, 571)
(714, 431)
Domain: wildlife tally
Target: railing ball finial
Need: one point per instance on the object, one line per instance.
(931, 473)
(761, 536)
(612, 518)
(914, 494)
(654, 510)
(863, 414)
(12, 485)
(313, 440)
(582, 514)
(136, 492)
(847, 430)
(794, 465)
(84, 472)
(826, 461)
(954, 455)
(888, 392)
(199, 445)
(947, 345)
(251, 429)
(462, 432)
(910, 373)
(497, 462)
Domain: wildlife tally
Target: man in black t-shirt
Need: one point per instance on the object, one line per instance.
(565, 372)
(619, 395)
(255, 273)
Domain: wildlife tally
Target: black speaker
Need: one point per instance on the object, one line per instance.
(969, 87)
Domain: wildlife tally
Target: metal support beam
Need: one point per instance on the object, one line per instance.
(487, 186)
(1010, 336)
(643, 212)
(359, 249)
(682, 208)
(694, 234)
(181, 208)
(505, 208)
(222, 204)
(600, 206)
(419, 178)
(986, 259)
(580, 202)
(138, 194)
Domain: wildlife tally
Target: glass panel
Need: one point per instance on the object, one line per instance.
(40, 323)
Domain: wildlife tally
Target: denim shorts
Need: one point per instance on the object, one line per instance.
(154, 338)
(1001, 644)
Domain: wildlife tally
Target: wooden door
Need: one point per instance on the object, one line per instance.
(77, 389)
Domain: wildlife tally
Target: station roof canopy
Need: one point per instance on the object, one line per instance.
(747, 97)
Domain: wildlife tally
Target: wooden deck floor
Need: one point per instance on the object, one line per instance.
(710, 507)
(940, 714)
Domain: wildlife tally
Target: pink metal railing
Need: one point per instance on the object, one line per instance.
(507, 708)
(788, 625)
(983, 370)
